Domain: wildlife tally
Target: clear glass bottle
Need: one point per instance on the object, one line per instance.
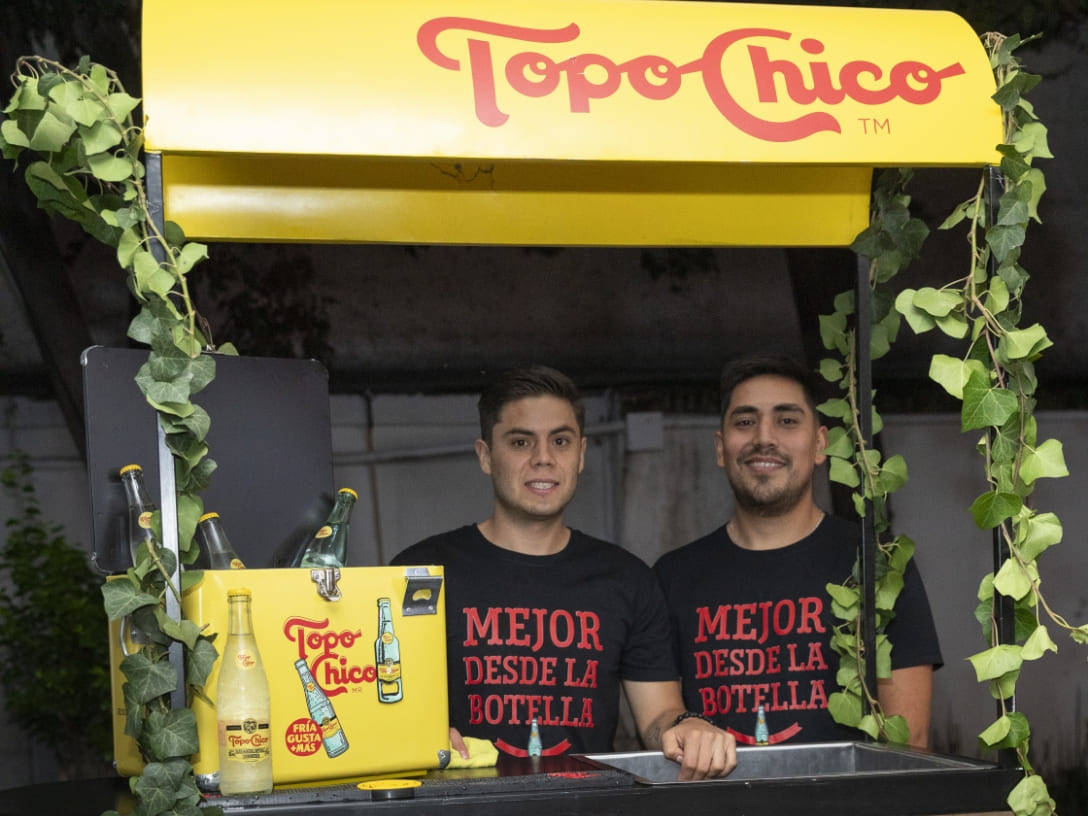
(387, 656)
(216, 545)
(333, 739)
(140, 508)
(329, 545)
(243, 706)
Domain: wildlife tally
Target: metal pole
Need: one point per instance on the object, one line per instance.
(168, 503)
(867, 546)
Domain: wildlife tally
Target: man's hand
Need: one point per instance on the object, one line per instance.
(702, 750)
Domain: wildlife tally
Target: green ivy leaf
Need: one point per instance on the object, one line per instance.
(1037, 533)
(1047, 461)
(937, 302)
(997, 296)
(996, 732)
(844, 708)
(173, 733)
(121, 104)
(835, 408)
(51, 133)
(830, 369)
(833, 332)
(121, 598)
(990, 509)
(1024, 344)
(839, 443)
(156, 787)
(148, 680)
(1031, 140)
(1030, 797)
(996, 661)
(1005, 239)
(1035, 179)
(845, 599)
(952, 374)
(108, 167)
(1012, 580)
(1038, 643)
(100, 137)
(985, 406)
(199, 661)
(897, 730)
(843, 473)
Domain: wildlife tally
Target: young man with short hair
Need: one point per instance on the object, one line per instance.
(545, 623)
(748, 603)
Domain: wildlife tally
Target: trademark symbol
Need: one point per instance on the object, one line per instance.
(875, 127)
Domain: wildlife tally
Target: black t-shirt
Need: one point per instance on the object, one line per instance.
(548, 637)
(753, 628)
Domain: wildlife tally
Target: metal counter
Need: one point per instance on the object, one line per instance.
(825, 779)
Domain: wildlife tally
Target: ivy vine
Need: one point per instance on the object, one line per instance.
(85, 164)
(995, 381)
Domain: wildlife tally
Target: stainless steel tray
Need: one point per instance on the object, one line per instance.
(805, 761)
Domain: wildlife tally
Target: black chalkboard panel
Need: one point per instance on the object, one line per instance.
(270, 436)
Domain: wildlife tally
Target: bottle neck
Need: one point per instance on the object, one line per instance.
(136, 489)
(341, 511)
(240, 620)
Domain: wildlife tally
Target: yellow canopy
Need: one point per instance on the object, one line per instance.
(568, 122)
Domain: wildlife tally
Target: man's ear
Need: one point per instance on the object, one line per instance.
(483, 453)
(821, 444)
(719, 447)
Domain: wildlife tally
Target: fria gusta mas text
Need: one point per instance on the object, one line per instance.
(567, 639)
(737, 670)
(806, 80)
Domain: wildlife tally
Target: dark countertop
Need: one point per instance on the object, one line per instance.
(571, 786)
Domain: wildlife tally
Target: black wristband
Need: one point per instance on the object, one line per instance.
(689, 715)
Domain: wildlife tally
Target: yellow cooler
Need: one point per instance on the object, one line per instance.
(356, 666)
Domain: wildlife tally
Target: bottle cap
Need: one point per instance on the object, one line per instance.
(207, 516)
(127, 468)
(354, 495)
(384, 789)
(239, 592)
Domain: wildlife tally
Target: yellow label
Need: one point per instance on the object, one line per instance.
(388, 672)
(236, 563)
(245, 740)
(324, 532)
(245, 661)
(144, 519)
(387, 638)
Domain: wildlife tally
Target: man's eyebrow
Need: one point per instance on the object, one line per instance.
(781, 408)
(530, 432)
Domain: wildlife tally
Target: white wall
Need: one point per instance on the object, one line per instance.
(411, 461)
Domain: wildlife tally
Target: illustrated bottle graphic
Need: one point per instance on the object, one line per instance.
(329, 545)
(333, 739)
(140, 508)
(762, 737)
(216, 545)
(243, 706)
(387, 656)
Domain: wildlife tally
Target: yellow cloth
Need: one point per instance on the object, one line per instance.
(481, 754)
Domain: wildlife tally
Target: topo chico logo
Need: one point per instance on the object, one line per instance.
(322, 648)
(586, 77)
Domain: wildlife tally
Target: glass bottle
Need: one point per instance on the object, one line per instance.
(243, 706)
(387, 656)
(333, 739)
(216, 545)
(762, 737)
(140, 508)
(329, 545)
